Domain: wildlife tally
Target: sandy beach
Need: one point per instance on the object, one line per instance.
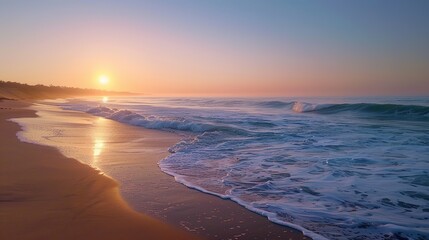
(59, 197)
(44, 195)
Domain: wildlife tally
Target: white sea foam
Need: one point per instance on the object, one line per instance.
(20, 134)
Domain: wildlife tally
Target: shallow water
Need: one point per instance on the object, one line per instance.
(336, 168)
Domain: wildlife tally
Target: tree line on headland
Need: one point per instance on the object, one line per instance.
(14, 90)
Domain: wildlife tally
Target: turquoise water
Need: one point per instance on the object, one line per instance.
(338, 168)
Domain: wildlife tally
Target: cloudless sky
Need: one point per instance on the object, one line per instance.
(220, 47)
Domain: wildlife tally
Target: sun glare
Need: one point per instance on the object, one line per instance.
(103, 80)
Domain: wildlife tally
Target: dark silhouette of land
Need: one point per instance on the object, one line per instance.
(14, 90)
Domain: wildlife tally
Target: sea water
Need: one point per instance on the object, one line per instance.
(336, 168)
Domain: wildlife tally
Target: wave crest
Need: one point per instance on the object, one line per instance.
(157, 122)
(386, 110)
(153, 122)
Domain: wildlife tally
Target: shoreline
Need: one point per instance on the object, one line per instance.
(41, 199)
(205, 215)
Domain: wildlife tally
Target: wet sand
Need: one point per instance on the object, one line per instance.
(136, 151)
(44, 195)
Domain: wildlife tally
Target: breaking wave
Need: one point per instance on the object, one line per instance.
(159, 122)
(385, 109)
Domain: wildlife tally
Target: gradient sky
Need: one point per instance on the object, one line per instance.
(220, 47)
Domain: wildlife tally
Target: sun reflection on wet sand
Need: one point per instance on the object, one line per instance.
(98, 147)
(98, 138)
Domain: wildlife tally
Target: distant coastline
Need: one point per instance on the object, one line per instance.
(18, 91)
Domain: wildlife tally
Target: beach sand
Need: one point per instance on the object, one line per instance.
(44, 195)
(79, 202)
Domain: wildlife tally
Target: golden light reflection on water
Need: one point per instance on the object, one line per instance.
(105, 99)
(98, 147)
(98, 135)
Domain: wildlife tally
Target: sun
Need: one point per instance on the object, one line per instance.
(103, 79)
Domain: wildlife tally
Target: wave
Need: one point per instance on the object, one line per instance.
(157, 122)
(387, 110)
(153, 122)
(275, 104)
(380, 109)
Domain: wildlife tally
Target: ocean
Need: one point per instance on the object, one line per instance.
(338, 168)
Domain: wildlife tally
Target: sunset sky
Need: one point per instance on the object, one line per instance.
(222, 47)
